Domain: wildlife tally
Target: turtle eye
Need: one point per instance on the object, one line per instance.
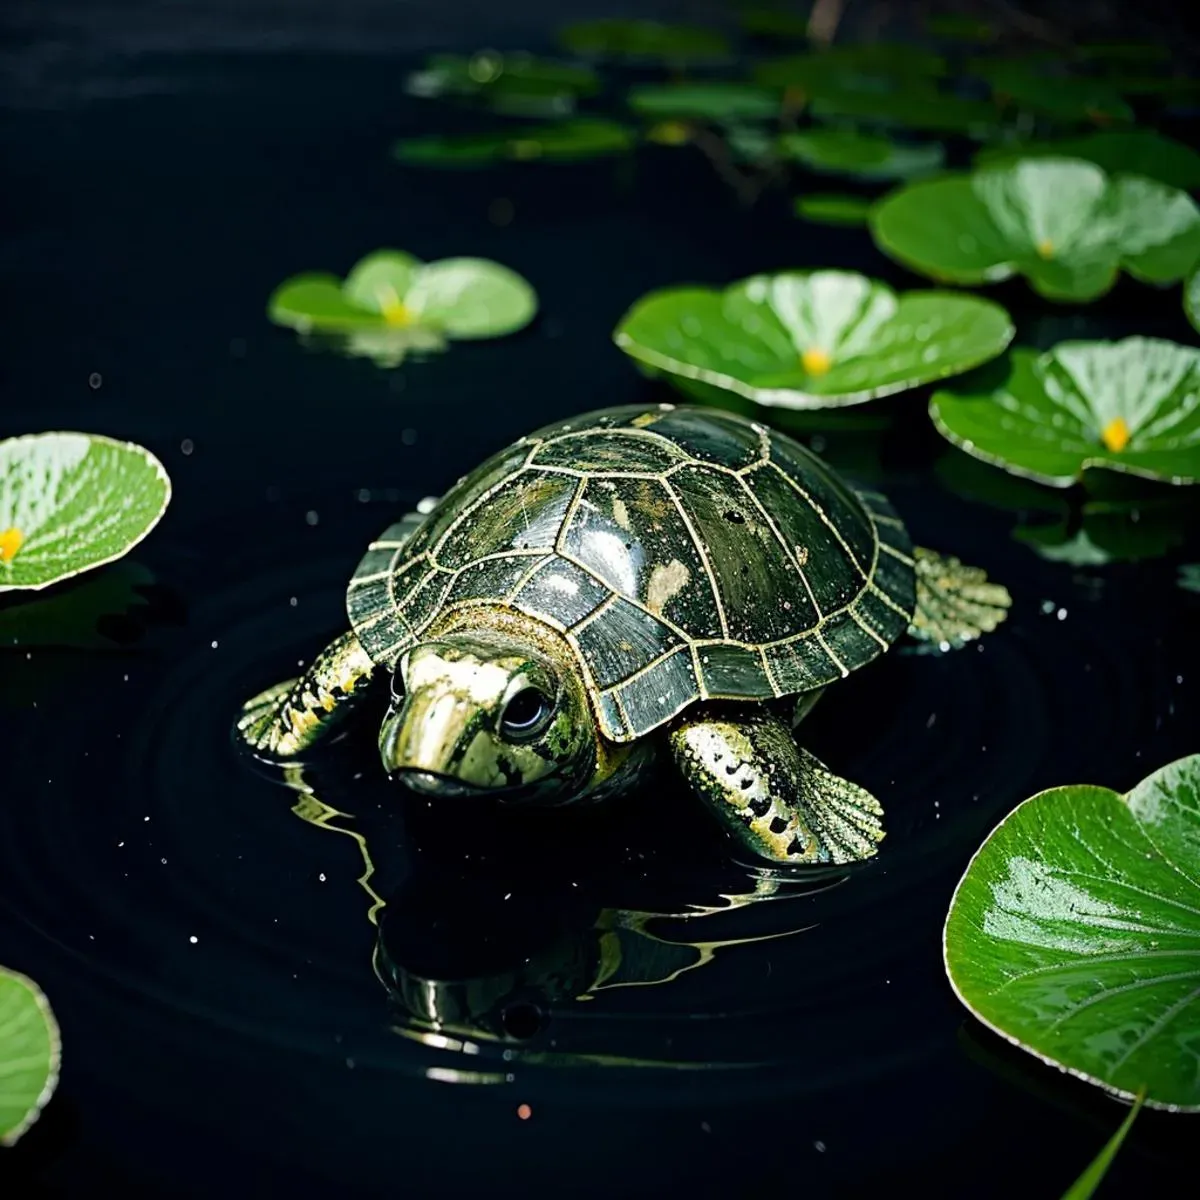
(526, 714)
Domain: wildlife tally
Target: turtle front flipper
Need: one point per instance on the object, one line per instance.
(955, 603)
(291, 717)
(775, 798)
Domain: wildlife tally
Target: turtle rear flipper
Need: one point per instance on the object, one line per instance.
(775, 798)
(955, 603)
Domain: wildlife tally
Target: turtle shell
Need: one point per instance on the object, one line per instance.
(686, 554)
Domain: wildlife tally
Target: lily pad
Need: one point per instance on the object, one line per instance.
(865, 156)
(1131, 406)
(868, 65)
(1189, 577)
(30, 1051)
(1191, 299)
(575, 140)
(917, 105)
(829, 208)
(705, 101)
(73, 501)
(415, 304)
(1133, 151)
(1063, 223)
(1065, 98)
(1073, 934)
(639, 40)
(812, 339)
(493, 74)
(1108, 533)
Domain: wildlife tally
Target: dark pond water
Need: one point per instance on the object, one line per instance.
(231, 1013)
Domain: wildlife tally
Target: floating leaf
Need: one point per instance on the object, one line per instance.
(1122, 52)
(30, 1051)
(637, 39)
(391, 303)
(1131, 406)
(918, 106)
(73, 501)
(812, 339)
(1065, 98)
(861, 155)
(1191, 299)
(1133, 151)
(494, 75)
(867, 65)
(715, 102)
(575, 140)
(1111, 533)
(1073, 933)
(1062, 223)
(1189, 577)
(832, 209)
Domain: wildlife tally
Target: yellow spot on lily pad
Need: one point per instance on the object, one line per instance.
(670, 133)
(1115, 435)
(1045, 248)
(11, 540)
(816, 361)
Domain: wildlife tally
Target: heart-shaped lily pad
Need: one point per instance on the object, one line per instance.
(1131, 406)
(73, 501)
(575, 140)
(1063, 223)
(831, 208)
(865, 156)
(1074, 933)
(30, 1050)
(1133, 151)
(812, 339)
(639, 40)
(716, 101)
(1191, 299)
(413, 303)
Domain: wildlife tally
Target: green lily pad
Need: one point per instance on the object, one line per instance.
(638, 40)
(1063, 223)
(1191, 299)
(869, 65)
(812, 339)
(1110, 533)
(829, 208)
(575, 140)
(917, 105)
(30, 1051)
(491, 73)
(865, 156)
(414, 304)
(1133, 151)
(705, 101)
(73, 501)
(1065, 98)
(1130, 406)
(1073, 933)
(1189, 577)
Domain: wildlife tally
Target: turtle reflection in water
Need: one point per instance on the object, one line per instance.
(490, 958)
(634, 583)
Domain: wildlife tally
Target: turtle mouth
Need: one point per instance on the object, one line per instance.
(432, 783)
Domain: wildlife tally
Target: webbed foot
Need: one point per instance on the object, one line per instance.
(955, 603)
(775, 798)
(286, 720)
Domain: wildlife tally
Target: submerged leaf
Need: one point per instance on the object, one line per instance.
(1134, 152)
(1063, 223)
(812, 339)
(1047, 420)
(30, 1050)
(1074, 932)
(73, 501)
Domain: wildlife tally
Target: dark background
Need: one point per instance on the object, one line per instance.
(165, 166)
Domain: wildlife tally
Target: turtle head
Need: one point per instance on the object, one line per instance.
(489, 712)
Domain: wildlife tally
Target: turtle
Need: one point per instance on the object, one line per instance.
(635, 586)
